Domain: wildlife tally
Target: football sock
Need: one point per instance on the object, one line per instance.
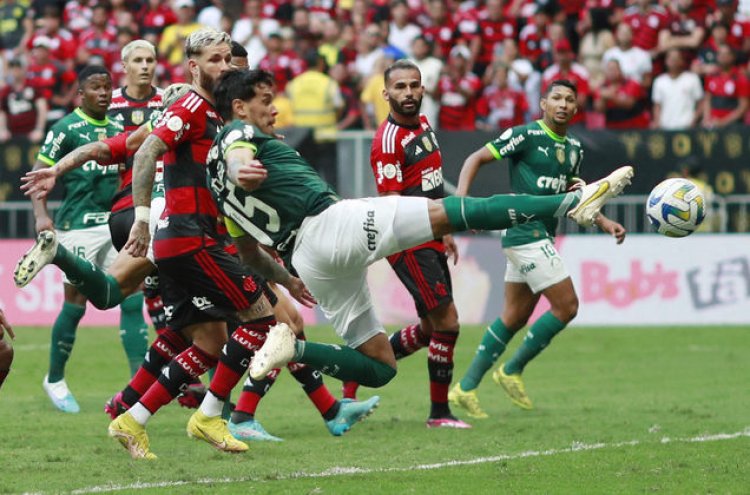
(98, 286)
(154, 303)
(343, 363)
(133, 330)
(538, 337)
(408, 340)
(236, 356)
(162, 351)
(503, 211)
(187, 365)
(63, 338)
(317, 392)
(440, 368)
(252, 392)
(493, 344)
(404, 342)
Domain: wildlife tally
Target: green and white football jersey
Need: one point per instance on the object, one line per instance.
(541, 163)
(88, 189)
(292, 191)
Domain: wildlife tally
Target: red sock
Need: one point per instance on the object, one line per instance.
(253, 392)
(166, 346)
(349, 390)
(238, 352)
(408, 340)
(186, 366)
(312, 384)
(440, 364)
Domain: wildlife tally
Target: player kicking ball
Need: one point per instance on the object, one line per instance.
(272, 196)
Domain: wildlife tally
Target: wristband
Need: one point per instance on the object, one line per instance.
(143, 214)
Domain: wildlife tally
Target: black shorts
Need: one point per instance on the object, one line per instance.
(424, 272)
(210, 285)
(119, 227)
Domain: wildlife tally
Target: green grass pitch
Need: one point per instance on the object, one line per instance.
(625, 410)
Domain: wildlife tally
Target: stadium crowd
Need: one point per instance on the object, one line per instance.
(637, 63)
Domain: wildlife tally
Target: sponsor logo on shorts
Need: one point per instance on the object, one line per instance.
(369, 227)
(202, 303)
(527, 268)
(440, 289)
(169, 311)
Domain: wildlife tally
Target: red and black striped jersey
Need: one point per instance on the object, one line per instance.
(131, 113)
(188, 223)
(407, 160)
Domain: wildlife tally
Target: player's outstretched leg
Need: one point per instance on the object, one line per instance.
(596, 194)
(341, 362)
(99, 287)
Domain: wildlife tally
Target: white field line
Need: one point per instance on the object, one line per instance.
(344, 471)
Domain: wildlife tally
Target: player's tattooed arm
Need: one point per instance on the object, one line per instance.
(144, 168)
(40, 181)
(254, 256)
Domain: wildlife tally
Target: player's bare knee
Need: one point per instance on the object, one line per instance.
(566, 310)
(259, 309)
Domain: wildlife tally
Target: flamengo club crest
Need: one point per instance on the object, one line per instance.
(137, 117)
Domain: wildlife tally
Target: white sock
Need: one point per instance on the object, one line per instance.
(211, 405)
(140, 414)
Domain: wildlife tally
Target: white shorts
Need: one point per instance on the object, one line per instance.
(157, 207)
(537, 265)
(93, 244)
(334, 249)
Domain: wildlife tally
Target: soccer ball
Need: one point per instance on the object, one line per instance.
(676, 207)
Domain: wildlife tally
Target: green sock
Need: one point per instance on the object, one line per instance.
(539, 336)
(133, 330)
(63, 337)
(98, 286)
(493, 344)
(503, 211)
(344, 363)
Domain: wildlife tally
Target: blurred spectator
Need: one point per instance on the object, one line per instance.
(565, 67)
(315, 97)
(622, 100)
(375, 108)
(157, 16)
(284, 65)
(494, 27)
(594, 44)
(676, 95)
(646, 19)
(172, 44)
(16, 27)
(533, 39)
(635, 62)
(738, 26)
(211, 14)
(98, 43)
(685, 30)
(705, 63)
(62, 45)
(23, 111)
(440, 28)
(77, 15)
(431, 68)
(727, 92)
(252, 29)
(522, 76)
(124, 36)
(369, 50)
(501, 107)
(351, 115)
(50, 79)
(401, 32)
(331, 43)
(457, 92)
